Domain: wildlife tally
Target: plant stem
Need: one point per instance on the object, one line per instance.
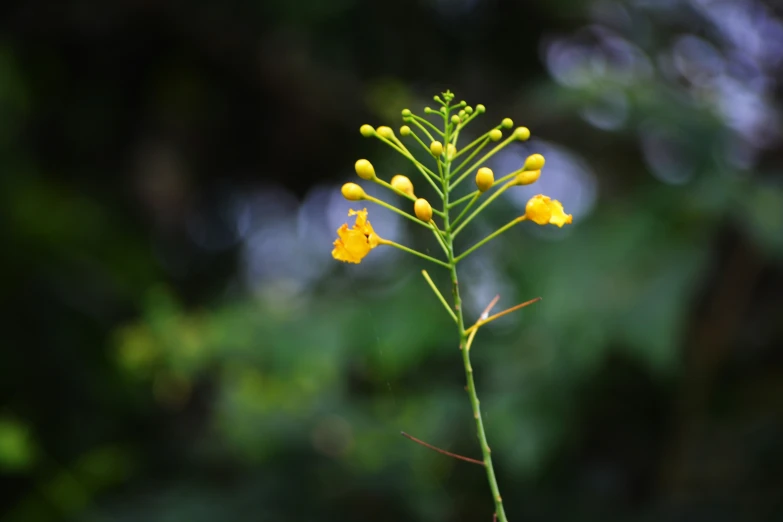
(414, 252)
(493, 235)
(463, 338)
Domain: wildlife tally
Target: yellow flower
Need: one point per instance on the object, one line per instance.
(353, 244)
(543, 210)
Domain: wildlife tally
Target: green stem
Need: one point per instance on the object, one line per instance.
(379, 181)
(440, 296)
(463, 125)
(463, 199)
(428, 122)
(463, 337)
(482, 207)
(472, 143)
(488, 238)
(472, 155)
(467, 207)
(482, 160)
(405, 152)
(423, 145)
(425, 131)
(439, 237)
(414, 252)
(395, 209)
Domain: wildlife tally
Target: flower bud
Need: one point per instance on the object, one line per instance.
(534, 162)
(455, 119)
(521, 133)
(436, 148)
(507, 123)
(367, 130)
(406, 113)
(353, 192)
(451, 151)
(385, 132)
(485, 178)
(480, 108)
(495, 134)
(403, 184)
(364, 169)
(423, 210)
(526, 177)
(469, 109)
(405, 130)
(461, 113)
(538, 210)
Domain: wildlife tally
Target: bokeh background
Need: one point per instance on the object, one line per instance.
(178, 344)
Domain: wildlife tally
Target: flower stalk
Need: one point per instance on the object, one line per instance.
(353, 244)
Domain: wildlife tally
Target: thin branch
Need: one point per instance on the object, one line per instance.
(440, 296)
(444, 452)
(482, 322)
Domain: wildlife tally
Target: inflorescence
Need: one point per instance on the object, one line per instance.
(443, 167)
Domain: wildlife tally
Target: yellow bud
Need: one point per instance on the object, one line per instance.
(364, 169)
(480, 108)
(495, 134)
(455, 119)
(436, 148)
(423, 210)
(367, 130)
(406, 113)
(461, 113)
(534, 162)
(485, 178)
(538, 210)
(469, 109)
(521, 133)
(385, 132)
(405, 130)
(507, 123)
(451, 151)
(526, 177)
(353, 192)
(403, 184)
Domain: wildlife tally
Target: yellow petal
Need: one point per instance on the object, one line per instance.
(538, 210)
(351, 247)
(559, 217)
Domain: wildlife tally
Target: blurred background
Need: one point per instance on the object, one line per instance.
(178, 343)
